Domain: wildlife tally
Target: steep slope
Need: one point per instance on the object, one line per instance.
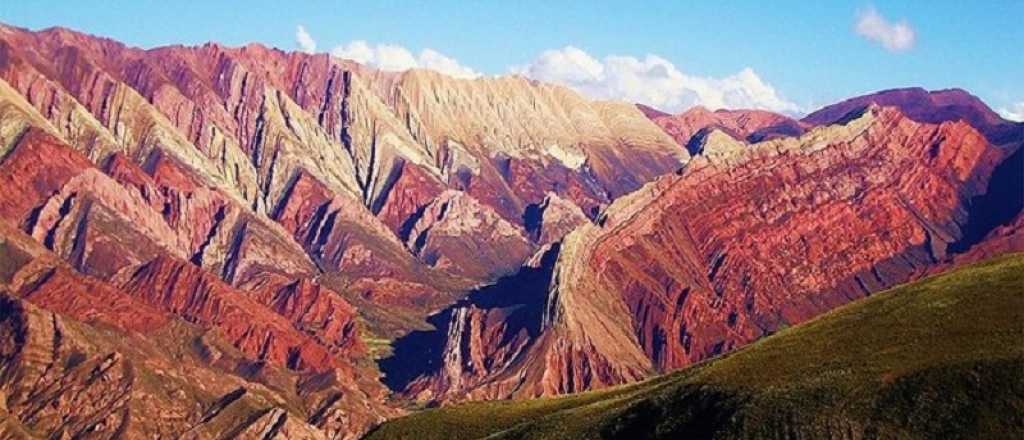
(935, 358)
(252, 121)
(293, 207)
(745, 240)
(161, 246)
(82, 355)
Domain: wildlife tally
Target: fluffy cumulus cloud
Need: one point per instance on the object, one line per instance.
(653, 81)
(1015, 112)
(895, 37)
(396, 58)
(305, 41)
(388, 57)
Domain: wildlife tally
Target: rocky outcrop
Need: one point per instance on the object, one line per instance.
(458, 234)
(60, 376)
(220, 241)
(230, 340)
(184, 290)
(738, 245)
(551, 219)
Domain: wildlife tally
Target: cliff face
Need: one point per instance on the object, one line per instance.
(287, 206)
(170, 350)
(252, 122)
(230, 237)
(746, 239)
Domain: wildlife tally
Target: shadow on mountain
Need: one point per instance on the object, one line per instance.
(1001, 203)
(522, 295)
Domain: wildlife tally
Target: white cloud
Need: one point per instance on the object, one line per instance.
(653, 81)
(895, 37)
(397, 58)
(434, 60)
(305, 41)
(1014, 113)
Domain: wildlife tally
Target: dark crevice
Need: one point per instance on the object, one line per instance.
(406, 229)
(278, 424)
(523, 296)
(318, 417)
(533, 218)
(286, 195)
(218, 218)
(234, 253)
(222, 403)
(999, 205)
(62, 213)
(389, 183)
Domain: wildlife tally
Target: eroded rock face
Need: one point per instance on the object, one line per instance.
(203, 238)
(838, 213)
(460, 235)
(258, 195)
(735, 247)
(117, 361)
(551, 219)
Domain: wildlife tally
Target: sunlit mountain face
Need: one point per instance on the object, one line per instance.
(236, 240)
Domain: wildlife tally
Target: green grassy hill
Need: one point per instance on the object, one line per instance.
(939, 358)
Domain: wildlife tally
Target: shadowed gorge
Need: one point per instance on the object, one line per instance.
(929, 359)
(519, 302)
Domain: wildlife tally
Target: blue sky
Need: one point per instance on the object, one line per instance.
(808, 52)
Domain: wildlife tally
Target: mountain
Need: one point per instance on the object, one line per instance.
(938, 358)
(744, 240)
(750, 125)
(297, 211)
(931, 107)
(209, 241)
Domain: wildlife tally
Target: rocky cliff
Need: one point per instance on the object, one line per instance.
(745, 240)
(291, 207)
(212, 241)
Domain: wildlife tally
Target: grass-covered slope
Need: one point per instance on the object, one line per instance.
(939, 358)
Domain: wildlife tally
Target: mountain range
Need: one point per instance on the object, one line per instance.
(220, 242)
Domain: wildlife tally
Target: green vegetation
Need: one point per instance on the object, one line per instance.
(939, 358)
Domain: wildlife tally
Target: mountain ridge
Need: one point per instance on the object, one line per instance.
(343, 244)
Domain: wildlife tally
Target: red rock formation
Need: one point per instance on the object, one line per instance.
(215, 225)
(750, 125)
(550, 220)
(931, 107)
(198, 296)
(40, 278)
(411, 191)
(744, 241)
(314, 310)
(37, 166)
(31, 272)
(458, 234)
(64, 377)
